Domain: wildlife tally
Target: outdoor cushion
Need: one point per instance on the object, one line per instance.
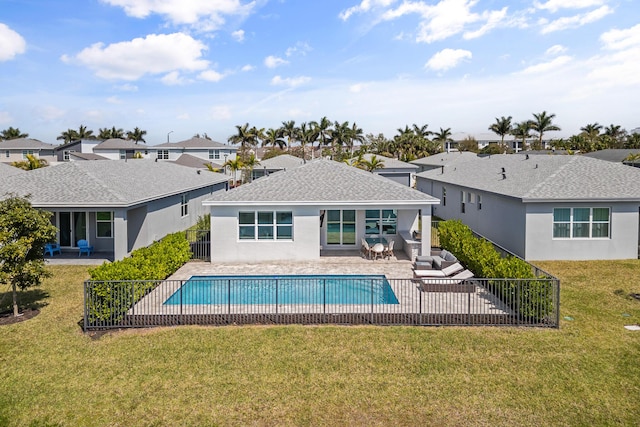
(452, 269)
(424, 258)
(429, 273)
(420, 265)
(443, 253)
(463, 275)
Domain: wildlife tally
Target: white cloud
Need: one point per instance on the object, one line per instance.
(154, 54)
(544, 67)
(211, 76)
(114, 100)
(221, 112)
(556, 49)
(290, 81)
(357, 88)
(555, 5)
(49, 113)
(5, 117)
(447, 58)
(364, 6)
(127, 87)
(273, 61)
(238, 35)
(493, 19)
(204, 15)
(11, 43)
(247, 67)
(575, 21)
(300, 48)
(183, 116)
(174, 79)
(621, 39)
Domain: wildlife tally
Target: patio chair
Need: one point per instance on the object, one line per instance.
(388, 252)
(439, 274)
(365, 249)
(458, 283)
(377, 251)
(84, 247)
(52, 248)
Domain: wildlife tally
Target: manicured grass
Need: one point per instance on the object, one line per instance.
(586, 373)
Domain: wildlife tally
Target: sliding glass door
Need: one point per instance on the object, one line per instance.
(341, 227)
(73, 227)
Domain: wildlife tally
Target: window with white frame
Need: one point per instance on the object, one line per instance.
(6, 153)
(163, 154)
(65, 155)
(444, 196)
(184, 204)
(381, 221)
(25, 153)
(123, 154)
(462, 201)
(214, 154)
(104, 224)
(479, 202)
(265, 225)
(581, 223)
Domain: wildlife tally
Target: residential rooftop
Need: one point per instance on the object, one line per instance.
(8, 170)
(106, 183)
(283, 161)
(612, 154)
(195, 143)
(119, 144)
(24, 144)
(444, 159)
(544, 178)
(390, 162)
(195, 162)
(321, 181)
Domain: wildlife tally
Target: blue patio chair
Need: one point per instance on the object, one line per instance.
(84, 247)
(52, 248)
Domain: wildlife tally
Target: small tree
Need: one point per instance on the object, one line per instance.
(24, 231)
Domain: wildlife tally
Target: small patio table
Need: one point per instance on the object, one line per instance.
(373, 240)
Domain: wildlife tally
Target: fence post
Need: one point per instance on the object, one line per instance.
(181, 321)
(86, 308)
(324, 296)
(228, 296)
(372, 301)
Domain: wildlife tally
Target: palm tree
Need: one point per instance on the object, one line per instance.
(355, 134)
(234, 166)
(246, 137)
(12, 133)
(136, 135)
(541, 124)
(444, 138)
(339, 137)
(104, 134)
(290, 131)
(274, 137)
(501, 127)
(306, 136)
(323, 131)
(522, 131)
(248, 166)
(616, 135)
(31, 163)
(84, 133)
(421, 131)
(117, 133)
(633, 141)
(372, 164)
(591, 133)
(68, 135)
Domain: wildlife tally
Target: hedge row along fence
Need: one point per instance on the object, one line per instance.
(111, 298)
(533, 298)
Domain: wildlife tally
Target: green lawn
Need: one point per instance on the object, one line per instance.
(586, 373)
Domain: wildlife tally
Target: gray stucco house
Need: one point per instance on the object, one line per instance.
(118, 206)
(16, 150)
(394, 169)
(321, 205)
(543, 207)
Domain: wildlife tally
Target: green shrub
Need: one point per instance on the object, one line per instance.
(117, 286)
(533, 298)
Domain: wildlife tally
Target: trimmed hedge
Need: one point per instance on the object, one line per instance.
(531, 296)
(117, 286)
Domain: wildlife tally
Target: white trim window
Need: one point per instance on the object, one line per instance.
(104, 224)
(444, 196)
(381, 221)
(184, 205)
(25, 153)
(123, 154)
(214, 154)
(265, 225)
(581, 223)
(163, 154)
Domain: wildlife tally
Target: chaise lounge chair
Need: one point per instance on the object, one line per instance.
(444, 273)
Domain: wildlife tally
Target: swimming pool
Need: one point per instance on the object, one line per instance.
(298, 289)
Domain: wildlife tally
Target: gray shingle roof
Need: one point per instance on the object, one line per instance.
(86, 156)
(8, 170)
(195, 143)
(612, 155)
(444, 159)
(102, 183)
(119, 144)
(544, 178)
(195, 162)
(322, 181)
(283, 161)
(25, 144)
(390, 163)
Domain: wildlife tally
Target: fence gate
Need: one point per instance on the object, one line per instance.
(200, 242)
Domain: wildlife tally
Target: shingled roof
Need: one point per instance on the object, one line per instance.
(195, 143)
(24, 144)
(443, 159)
(544, 178)
(283, 161)
(322, 182)
(8, 170)
(119, 144)
(391, 163)
(106, 183)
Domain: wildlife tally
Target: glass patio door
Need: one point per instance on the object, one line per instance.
(73, 227)
(341, 227)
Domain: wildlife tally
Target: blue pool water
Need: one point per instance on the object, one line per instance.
(308, 289)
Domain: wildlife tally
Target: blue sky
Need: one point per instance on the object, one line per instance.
(195, 66)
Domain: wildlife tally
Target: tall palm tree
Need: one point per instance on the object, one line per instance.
(522, 131)
(591, 133)
(84, 133)
(104, 133)
(290, 131)
(136, 135)
(306, 136)
(444, 138)
(616, 135)
(247, 138)
(339, 137)
(501, 127)
(234, 166)
(68, 135)
(12, 133)
(274, 137)
(421, 131)
(323, 131)
(117, 133)
(543, 123)
(247, 167)
(372, 164)
(355, 134)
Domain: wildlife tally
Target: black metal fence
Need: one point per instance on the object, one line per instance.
(320, 300)
(200, 242)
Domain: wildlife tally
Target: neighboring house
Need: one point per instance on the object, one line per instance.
(196, 162)
(16, 150)
(394, 169)
(439, 160)
(276, 164)
(121, 149)
(77, 150)
(543, 207)
(617, 156)
(118, 206)
(206, 149)
(293, 214)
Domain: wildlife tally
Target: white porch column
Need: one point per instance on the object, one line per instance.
(120, 235)
(426, 230)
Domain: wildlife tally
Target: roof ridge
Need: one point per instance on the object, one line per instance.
(549, 177)
(90, 173)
